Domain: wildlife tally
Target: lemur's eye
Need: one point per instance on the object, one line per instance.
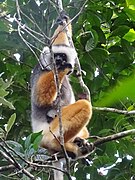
(64, 57)
(61, 18)
(65, 17)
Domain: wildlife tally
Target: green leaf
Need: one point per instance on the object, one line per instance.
(120, 31)
(130, 35)
(130, 13)
(27, 142)
(33, 140)
(3, 86)
(16, 146)
(2, 133)
(92, 42)
(130, 108)
(101, 35)
(35, 135)
(10, 123)
(89, 45)
(8, 83)
(107, 13)
(128, 49)
(4, 26)
(37, 141)
(6, 103)
(93, 19)
(125, 89)
(99, 55)
(3, 93)
(130, 4)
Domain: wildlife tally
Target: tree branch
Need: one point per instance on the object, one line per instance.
(79, 75)
(114, 110)
(11, 149)
(7, 155)
(60, 6)
(15, 164)
(116, 136)
(77, 62)
(100, 140)
(6, 168)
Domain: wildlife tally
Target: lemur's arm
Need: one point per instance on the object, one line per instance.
(46, 91)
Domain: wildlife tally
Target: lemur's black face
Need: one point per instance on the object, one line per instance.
(60, 58)
(62, 61)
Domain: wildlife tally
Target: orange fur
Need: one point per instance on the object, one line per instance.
(60, 36)
(75, 117)
(84, 134)
(46, 87)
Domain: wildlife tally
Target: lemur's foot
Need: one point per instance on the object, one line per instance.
(84, 148)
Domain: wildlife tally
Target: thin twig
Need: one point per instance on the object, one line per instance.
(114, 110)
(29, 46)
(33, 21)
(66, 24)
(45, 166)
(19, 32)
(58, 96)
(26, 29)
(77, 64)
(18, 11)
(65, 28)
(51, 167)
(81, 9)
(63, 149)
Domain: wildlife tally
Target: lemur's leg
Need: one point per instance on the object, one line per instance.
(74, 119)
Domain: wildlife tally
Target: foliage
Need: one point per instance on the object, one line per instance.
(104, 37)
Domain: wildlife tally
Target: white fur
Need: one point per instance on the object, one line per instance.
(44, 126)
(45, 56)
(39, 125)
(70, 52)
